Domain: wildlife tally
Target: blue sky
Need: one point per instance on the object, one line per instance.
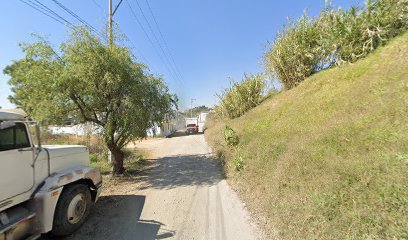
(210, 41)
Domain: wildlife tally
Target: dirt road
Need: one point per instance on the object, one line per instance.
(182, 196)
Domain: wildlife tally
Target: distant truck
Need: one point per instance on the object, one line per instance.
(42, 188)
(202, 118)
(191, 125)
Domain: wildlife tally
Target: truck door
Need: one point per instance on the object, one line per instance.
(16, 158)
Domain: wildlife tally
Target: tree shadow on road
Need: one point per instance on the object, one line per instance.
(183, 170)
(182, 133)
(176, 171)
(118, 217)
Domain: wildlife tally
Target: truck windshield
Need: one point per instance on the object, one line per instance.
(191, 125)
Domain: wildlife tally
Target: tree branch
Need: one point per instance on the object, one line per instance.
(77, 100)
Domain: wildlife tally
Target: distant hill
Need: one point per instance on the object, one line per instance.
(329, 158)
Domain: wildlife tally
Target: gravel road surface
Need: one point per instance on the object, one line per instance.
(182, 195)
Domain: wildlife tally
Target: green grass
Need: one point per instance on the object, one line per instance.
(329, 158)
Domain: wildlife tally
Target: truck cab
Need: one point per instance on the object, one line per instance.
(191, 125)
(42, 188)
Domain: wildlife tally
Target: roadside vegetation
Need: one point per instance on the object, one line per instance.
(98, 152)
(337, 36)
(327, 159)
(311, 44)
(241, 96)
(195, 111)
(89, 80)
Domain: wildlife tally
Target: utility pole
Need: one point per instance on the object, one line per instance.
(191, 109)
(110, 40)
(110, 24)
(110, 20)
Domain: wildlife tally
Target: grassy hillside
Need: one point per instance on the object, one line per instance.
(329, 158)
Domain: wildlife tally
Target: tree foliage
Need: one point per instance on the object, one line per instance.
(195, 111)
(335, 37)
(91, 82)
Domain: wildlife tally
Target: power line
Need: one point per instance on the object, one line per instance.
(157, 40)
(99, 6)
(144, 59)
(142, 56)
(147, 35)
(77, 17)
(35, 7)
(162, 36)
(73, 14)
(45, 10)
(149, 39)
(40, 7)
(48, 12)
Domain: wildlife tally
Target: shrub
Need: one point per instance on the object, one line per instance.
(295, 53)
(238, 160)
(241, 97)
(402, 157)
(350, 35)
(336, 36)
(232, 140)
(231, 137)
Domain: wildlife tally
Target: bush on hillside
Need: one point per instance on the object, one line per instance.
(230, 136)
(336, 36)
(241, 97)
(295, 54)
(347, 36)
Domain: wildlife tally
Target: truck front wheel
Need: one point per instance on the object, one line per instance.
(73, 208)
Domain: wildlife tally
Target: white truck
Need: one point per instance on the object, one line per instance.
(202, 119)
(42, 188)
(191, 125)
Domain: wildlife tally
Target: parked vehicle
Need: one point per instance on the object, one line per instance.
(202, 118)
(42, 188)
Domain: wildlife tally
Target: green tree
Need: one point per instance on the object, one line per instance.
(92, 82)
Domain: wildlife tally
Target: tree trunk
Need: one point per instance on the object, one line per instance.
(117, 161)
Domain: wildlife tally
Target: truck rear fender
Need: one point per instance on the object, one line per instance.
(46, 197)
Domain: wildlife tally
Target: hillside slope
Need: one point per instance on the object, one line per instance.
(329, 158)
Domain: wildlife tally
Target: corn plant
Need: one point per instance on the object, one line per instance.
(335, 37)
(241, 97)
(295, 53)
